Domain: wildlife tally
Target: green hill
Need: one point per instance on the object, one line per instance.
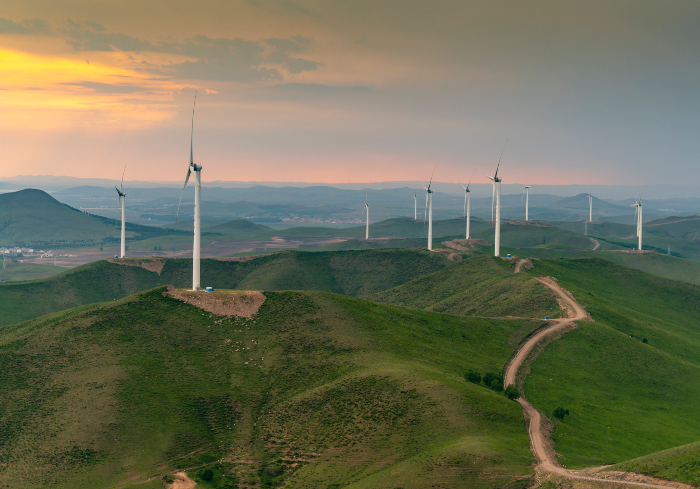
(675, 227)
(678, 464)
(631, 379)
(530, 234)
(354, 273)
(33, 217)
(319, 390)
(481, 285)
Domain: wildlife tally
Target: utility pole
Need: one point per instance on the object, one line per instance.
(669, 250)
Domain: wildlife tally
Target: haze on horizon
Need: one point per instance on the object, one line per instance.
(587, 93)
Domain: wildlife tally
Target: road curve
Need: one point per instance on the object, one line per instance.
(546, 457)
(596, 243)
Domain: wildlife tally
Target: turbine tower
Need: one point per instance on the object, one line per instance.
(121, 199)
(467, 203)
(590, 208)
(526, 193)
(415, 207)
(367, 209)
(429, 209)
(497, 197)
(638, 215)
(197, 169)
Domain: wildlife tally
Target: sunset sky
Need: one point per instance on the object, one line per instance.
(600, 92)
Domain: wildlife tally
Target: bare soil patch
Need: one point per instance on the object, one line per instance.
(239, 303)
(465, 244)
(534, 224)
(182, 481)
(151, 264)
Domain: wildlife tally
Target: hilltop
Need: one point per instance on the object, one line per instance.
(34, 217)
(317, 390)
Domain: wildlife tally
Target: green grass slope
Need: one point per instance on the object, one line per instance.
(28, 271)
(33, 216)
(534, 234)
(481, 285)
(319, 390)
(626, 398)
(678, 464)
(355, 273)
(675, 227)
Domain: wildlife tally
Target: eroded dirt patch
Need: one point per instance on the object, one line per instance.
(239, 303)
(182, 481)
(151, 264)
(465, 244)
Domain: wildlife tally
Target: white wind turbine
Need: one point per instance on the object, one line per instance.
(590, 208)
(497, 197)
(638, 215)
(121, 199)
(367, 210)
(415, 207)
(467, 203)
(197, 169)
(526, 193)
(429, 210)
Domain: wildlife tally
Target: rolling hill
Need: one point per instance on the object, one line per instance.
(354, 273)
(481, 285)
(316, 390)
(523, 234)
(631, 379)
(33, 218)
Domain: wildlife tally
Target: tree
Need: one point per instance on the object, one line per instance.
(512, 392)
(645, 341)
(560, 412)
(494, 381)
(206, 475)
(473, 376)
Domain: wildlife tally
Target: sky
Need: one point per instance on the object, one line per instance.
(595, 92)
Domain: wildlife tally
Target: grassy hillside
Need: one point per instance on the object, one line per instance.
(678, 464)
(481, 285)
(28, 271)
(534, 234)
(319, 390)
(33, 217)
(239, 226)
(355, 273)
(627, 397)
(675, 227)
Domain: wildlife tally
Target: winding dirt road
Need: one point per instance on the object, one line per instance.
(540, 444)
(596, 243)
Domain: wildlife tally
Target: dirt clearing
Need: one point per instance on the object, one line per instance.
(239, 303)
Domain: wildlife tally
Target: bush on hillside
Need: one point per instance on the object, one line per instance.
(512, 393)
(206, 475)
(494, 381)
(645, 341)
(560, 412)
(473, 376)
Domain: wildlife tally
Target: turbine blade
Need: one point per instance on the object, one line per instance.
(192, 133)
(121, 187)
(187, 178)
(431, 176)
(499, 159)
(489, 177)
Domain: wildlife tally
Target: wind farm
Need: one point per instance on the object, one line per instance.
(252, 328)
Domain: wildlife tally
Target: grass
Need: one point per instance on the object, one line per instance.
(534, 234)
(319, 390)
(28, 271)
(355, 273)
(627, 398)
(678, 464)
(478, 286)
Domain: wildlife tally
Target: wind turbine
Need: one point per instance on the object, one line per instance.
(467, 203)
(638, 215)
(197, 169)
(121, 199)
(415, 207)
(497, 197)
(429, 208)
(367, 209)
(590, 208)
(526, 193)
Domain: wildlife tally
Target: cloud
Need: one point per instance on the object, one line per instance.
(27, 26)
(318, 88)
(107, 88)
(219, 59)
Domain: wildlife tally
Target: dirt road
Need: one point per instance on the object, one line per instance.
(596, 243)
(539, 441)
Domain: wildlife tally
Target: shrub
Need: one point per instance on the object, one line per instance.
(512, 392)
(645, 340)
(206, 475)
(560, 412)
(473, 376)
(494, 381)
